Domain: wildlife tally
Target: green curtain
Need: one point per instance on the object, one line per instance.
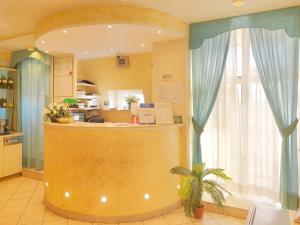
(287, 19)
(208, 64)
(19, 56)
(277, 59)
(34, 84)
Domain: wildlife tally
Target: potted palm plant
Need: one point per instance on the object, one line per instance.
(194, 183)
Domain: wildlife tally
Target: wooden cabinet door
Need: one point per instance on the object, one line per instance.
(1, 158)
(12, 157)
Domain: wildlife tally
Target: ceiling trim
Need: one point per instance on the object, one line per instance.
(110, 14)
(5, 38)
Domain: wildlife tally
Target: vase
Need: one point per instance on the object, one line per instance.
(198, 214)
(53, 119)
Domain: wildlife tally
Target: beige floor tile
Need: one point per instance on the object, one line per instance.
(10, 220)
(156, 221)
(21, 194)
(206, 216)
(34, 208)
(5, 196)
(206, 222)
(214, 215)
(36, 200)
(56, 222)
(31, 218)
(26, 189)
(3, 203)
(12, 186)
(11, 211)
(22, 202)
(50, 216)
(226, 220)
(177, 219)
(35, 223)
(75, 222)
(17, 203)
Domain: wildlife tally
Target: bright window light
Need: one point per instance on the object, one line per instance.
(117, 98)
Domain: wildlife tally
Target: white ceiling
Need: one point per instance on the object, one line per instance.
(97, 40)
(18, 18)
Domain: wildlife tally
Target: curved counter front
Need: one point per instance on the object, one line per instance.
(112, 173)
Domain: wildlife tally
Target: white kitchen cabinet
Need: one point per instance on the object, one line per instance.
(10, 154)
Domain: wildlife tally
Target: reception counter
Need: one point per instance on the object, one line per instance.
(112, 172)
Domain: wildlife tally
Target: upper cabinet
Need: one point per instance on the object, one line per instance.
(64, 77)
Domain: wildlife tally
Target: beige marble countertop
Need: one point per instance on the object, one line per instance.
(110, 125)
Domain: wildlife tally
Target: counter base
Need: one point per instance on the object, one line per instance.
(112, 219)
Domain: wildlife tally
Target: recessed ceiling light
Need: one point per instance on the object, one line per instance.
(142, 45)
(86, 52)
(238, 3)
(146, 196)
(67, 194)
(111, 49)
(47, 51)
(65, 31)
(103, 199)
(46, 184)
(43, 42)
(159, 31)
(109, 26)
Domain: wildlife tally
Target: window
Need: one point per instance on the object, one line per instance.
(241, 135)
(117, 98)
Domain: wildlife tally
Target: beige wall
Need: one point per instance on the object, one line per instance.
(107, 76)
(170, 57)
(4, 58)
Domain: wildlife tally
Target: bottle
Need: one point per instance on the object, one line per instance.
(1, 81)
(4, 104)
(10, 83)
(4, 82)
(1, 102)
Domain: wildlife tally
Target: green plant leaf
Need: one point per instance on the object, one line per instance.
(180, 171)
(218, 173)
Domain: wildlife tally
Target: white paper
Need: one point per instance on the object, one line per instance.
(163, 113)
(146, 115)
(172, 93)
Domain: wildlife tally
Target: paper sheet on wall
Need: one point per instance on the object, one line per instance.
(172, 93)
(163, 113)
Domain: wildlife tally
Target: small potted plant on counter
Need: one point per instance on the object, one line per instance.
(130, 99)
(194, 183)
(58, 112)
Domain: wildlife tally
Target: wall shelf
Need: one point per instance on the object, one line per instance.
(7, 68)
(86, 85)
(86, 97)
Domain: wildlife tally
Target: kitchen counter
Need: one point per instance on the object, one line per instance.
(112, 172)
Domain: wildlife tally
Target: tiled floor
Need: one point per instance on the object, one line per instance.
(21, 203)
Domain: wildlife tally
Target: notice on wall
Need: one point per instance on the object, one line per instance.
(163, 113)
(172, 93)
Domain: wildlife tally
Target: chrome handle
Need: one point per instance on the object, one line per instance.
(12, 140)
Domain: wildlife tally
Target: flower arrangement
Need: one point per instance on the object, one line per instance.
(130, 99)
(57, 112)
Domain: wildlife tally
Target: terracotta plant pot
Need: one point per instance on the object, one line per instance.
(198, 214)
